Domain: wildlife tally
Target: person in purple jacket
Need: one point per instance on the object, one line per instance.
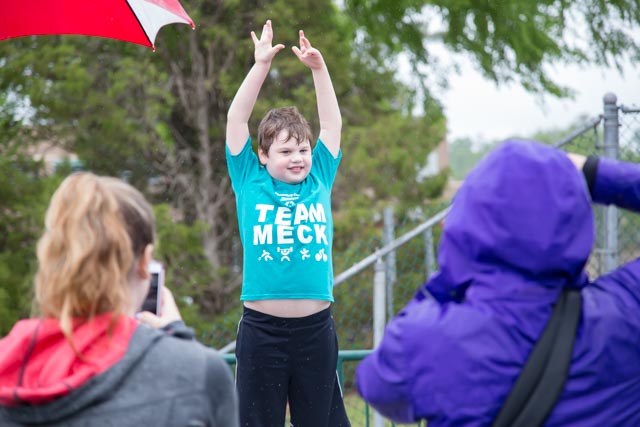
(520, 230)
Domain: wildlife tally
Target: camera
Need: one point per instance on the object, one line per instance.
(153, 300)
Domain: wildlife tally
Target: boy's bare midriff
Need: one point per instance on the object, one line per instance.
(288, 307)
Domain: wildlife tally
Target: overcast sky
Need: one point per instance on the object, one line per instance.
(476, 108)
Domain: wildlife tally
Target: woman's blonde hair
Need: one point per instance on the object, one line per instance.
(96, 228)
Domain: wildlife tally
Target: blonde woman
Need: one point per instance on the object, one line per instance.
(87, 360)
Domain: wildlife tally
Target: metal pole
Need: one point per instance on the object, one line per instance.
(390, 260)
(611, 141)
(429, 255)
(591, 124)
(378, 317)
(372, 258)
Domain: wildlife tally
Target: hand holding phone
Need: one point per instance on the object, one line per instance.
(170, 312)
(153, 300)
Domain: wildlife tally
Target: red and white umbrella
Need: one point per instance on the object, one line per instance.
(134, 21)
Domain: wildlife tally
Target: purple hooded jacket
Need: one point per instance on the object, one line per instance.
(520, 229)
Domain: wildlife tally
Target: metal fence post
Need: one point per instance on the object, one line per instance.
(388, 236)
(429, 254)
(611, 140)
(379, 318)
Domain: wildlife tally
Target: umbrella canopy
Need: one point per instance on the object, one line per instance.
(134, 21)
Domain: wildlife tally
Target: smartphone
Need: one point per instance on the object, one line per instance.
(153, 301)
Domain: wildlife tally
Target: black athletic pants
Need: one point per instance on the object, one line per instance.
(294, 359)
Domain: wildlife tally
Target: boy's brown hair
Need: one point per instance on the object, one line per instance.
(279, 119)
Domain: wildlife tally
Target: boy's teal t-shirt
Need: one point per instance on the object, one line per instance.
(286, 229)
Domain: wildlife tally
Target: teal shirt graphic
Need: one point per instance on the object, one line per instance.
(286, 229)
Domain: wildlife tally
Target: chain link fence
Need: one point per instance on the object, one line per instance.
(614, 134)
(379, 274)
(628, 223)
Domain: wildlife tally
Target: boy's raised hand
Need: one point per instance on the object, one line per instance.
(264, 51)
(308, 55)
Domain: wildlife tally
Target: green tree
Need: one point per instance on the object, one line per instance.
(463, 156)
(161, 116)
(21, 218)
(508, 40)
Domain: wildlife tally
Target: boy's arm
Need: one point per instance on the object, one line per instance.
(245, 99)
(328, 109)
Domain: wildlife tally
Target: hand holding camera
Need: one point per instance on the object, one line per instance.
(169, 312)
(153, 300)
(159, 308)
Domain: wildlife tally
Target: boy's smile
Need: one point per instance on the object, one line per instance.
(287, 160)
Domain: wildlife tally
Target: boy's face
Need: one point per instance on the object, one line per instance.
(287, 161)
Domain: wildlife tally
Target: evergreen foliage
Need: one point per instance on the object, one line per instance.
(159, 118)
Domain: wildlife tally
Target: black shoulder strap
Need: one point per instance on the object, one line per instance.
(542, 379)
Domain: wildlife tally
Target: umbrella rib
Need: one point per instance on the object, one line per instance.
(133, 12)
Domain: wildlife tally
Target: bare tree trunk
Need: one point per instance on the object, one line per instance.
(198, 166)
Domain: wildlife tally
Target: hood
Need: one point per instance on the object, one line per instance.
(38, 364)
(524, 211)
